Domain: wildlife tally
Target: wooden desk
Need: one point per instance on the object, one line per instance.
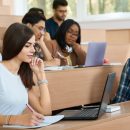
(118, 120)
(75, 87)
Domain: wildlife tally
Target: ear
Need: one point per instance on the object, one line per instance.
(29, 25)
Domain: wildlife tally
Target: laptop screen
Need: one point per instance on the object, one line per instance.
(95, 53)
(92, 112)
(106, 93)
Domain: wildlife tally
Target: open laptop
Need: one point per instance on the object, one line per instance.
(95, 53)
(95, 111)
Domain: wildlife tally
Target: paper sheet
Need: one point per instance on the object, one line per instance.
(48, 120)
(52, 68)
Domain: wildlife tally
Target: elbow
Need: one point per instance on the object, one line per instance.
(45, 111)
(48, 113)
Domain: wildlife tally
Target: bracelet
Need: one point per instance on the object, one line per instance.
(44, 81)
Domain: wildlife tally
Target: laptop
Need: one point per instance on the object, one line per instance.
(95, 53)
(95, 111)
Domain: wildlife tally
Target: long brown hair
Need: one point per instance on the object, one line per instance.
(16, 36)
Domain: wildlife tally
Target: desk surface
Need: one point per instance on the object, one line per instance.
(109, 121)
(118, 120)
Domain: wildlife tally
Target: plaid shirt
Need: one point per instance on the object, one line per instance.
(123, 92)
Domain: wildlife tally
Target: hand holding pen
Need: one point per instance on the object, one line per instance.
(60, 55)
(30, 108)
(32, 118)
(64, 59)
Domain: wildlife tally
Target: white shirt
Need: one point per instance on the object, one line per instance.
(13, 94)
(0, 57)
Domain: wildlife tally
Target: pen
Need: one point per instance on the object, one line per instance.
(60, 55)
(30, 108)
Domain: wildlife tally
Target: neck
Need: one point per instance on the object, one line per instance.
(59, 22)
(12, 65)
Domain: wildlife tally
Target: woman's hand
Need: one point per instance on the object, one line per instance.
(44, 38)
(106, 61)
(47, 37)
(37, 67)
(41, 40)
(74, 44)
(71, 42)
(29, 119)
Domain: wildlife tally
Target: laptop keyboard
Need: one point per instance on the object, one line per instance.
(87, 113)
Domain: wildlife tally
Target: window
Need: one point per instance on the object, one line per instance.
(80, 10)
(46, 5)
(107, 6)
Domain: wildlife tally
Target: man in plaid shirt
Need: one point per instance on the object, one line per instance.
(123, 92)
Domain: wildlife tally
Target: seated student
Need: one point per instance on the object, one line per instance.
(47, 36)
(66, 44)
(123, 92)
(36, 22)
(16, 81)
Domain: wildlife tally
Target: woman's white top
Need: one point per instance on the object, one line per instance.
(13, 94)
(0, 57)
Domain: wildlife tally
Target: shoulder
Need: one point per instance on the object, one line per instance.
(4, 72)
(49, 21)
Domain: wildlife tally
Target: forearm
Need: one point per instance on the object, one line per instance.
(9, 119)
(44, 100)
(46, 52)
(81, 54)
(53, 62)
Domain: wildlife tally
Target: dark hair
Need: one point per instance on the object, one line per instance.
(16, 36)
(61, 33)
(57, 3)
(38, 10)
(33, 18)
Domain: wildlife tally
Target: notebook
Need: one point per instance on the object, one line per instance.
(48, 120)
(95, 53)
(95, 111)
